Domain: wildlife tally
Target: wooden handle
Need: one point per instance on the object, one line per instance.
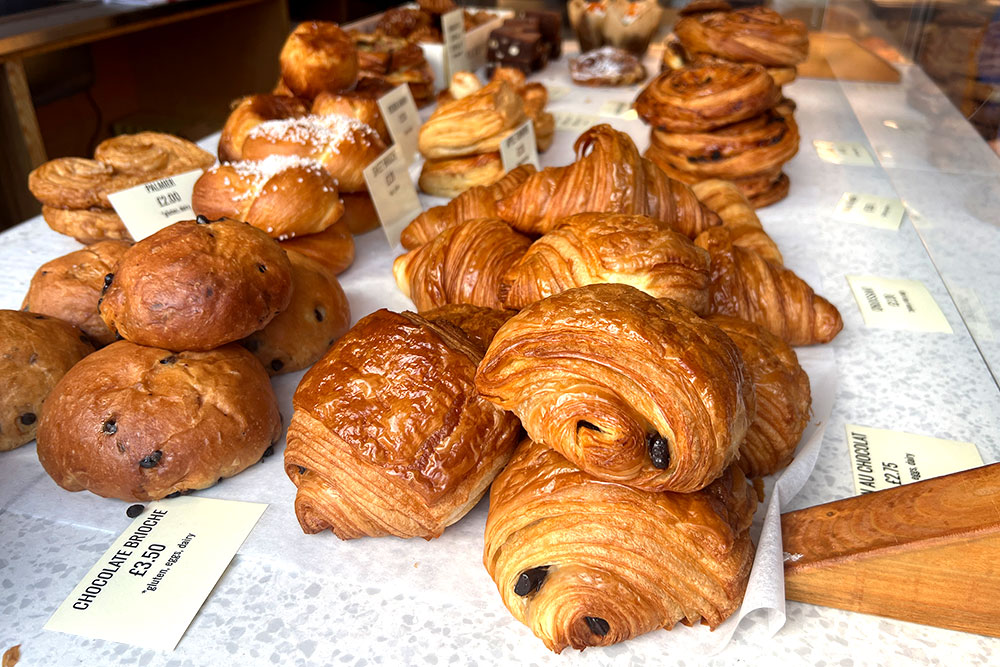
(927, 552)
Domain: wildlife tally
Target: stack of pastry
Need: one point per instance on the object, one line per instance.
(461, 139)
(74, 191)
(387, 61)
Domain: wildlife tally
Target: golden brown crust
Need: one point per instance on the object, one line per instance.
(140, 423)
(737, 213)
(776, 190)
(333, 247)
(35, 352)
(69, 288)
(755, 34)
(196, 286)
(463, 264)
(782, 391)
(451, 177)
(782, 75)
(88, 225)
(478, 323)
(152, 155)
(674, 204)
(628, 388)
(359, 212)
(636, 560)
(389, 436)
(474, 124)
(72, 182)
(592, 248)
(318, 56)
(251, 112)
(362, 106)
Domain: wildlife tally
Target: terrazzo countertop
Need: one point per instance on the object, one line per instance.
(293, 599)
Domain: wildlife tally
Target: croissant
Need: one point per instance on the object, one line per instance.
(755, 34)
(249, 113)
(591, 248)
(674, 204)
(477, 323)
(584, 562)
(389, 436)
(782, 391)
(628, 388)
(476, 202)
(736, 213)
(474, 124)
(746, 285)
(463, 264)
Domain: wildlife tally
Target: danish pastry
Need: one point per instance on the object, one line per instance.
(754, 34)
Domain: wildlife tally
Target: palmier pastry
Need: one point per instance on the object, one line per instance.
(674, 204)
(474, 124)
(451, 177)
(592, 248)
(478, 323)
(87, 225)
(389, 436)
(706, 96)
(583, 562)
(628, 388)
(360, 106)
(746, 285)
(359, 212)
(142, 423)
(333, 247)
(251, 112)
(69, 288)
(463, 264)
(736, 212)
(343, 145)
(476, 202)
(781, 388)
(755, 35)
(282, 195)
(316, 317)
(318, 56)
(606, 66)
(197, 285)
(75, 183)
(152, 155)
(35, 352)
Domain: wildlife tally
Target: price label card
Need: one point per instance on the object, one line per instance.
(148, 586)
(401, 118)
(574, 122)
(843, 152)
(453, 30)
(860, 209)
(392, 192)
(621, 110)
(888, 303)
(148, 208)
(519, 147)
(882, 459)
(557, 91)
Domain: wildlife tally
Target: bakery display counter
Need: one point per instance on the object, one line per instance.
(291, 598)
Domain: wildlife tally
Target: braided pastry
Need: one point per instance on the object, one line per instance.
(318, 56)
(628, 388)
(755, 35)
(591, 248)
(389, 436)
(586, 563)
(333, 247)
(152, 155)
(361, 106)
(249, 113)
(474, 124)
(736, 213)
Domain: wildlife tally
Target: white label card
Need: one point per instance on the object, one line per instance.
(888, 303)
(861, 209)
(557, 91)
(519, 147)
(392, 192)
(148, 586)
(843, 152)
(574, 122)
(401, 118)
(882, 459)
(621, 110)
(453, 30)
(148, 208)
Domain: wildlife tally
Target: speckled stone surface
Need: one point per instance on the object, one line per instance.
(293, 599)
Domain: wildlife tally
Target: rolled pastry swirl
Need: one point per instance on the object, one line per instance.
(706, 96)
(736, 212)
(764, 189)
(474, 124)
(783, 398)
(755, 35)
(389, 436)
(463, 264)
(591, 248)
(86, 225)
(250, 112)
(746, 285)
(584, 562)
(152, 155)
(74, 182)
(628, 388)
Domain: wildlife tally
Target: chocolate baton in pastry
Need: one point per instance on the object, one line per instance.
(782, 391)
(463, 264)
(86, 225)
(591, 248)
(197, 285)
(474, 124)
(333, 247)
(70, 287)
(746, 285)
(35, 352)
(706, 96)
(583, 562)
(451, 177)
(249, 113)
(478, 323)
(755, 34)
(142, 423)
(629, 388)
(728, 202)
(152, 155)
(389, 436)
(606, 66)
(318, 56)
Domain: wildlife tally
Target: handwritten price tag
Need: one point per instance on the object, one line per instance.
(402, 119)
(879, 212)
(453, 30)
(882, 459)
(154, 578)
(519, 147)
(616, 109)
(574, 122)
(843, 152)
(148, 208)
(887, 303)
(392, 192)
